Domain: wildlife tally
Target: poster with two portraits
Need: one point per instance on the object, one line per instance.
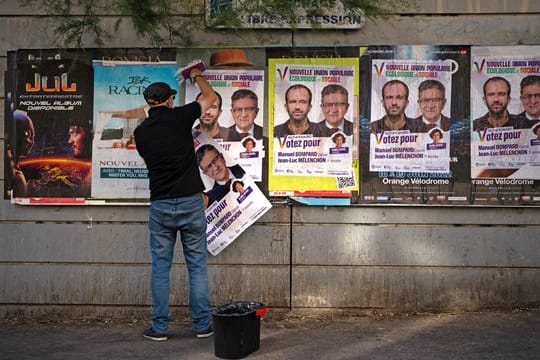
(505, 130)
(419, 106)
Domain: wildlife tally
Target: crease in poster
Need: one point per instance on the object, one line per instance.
(236, 119)
(232, 199)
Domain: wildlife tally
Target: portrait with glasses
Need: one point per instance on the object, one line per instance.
(334, 107)
(213, 165)
(431, 101)
(530, 97)
(244, 111)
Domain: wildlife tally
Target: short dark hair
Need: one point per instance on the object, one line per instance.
(297, 86)
(395, 82)
(529, 80)
(203, 149)
(218, 95)
(236, 182)
(246, 140)
(244, 93)
(432, 132)
(430, 84)
(333, 89)
(498, 78)
(337, 135)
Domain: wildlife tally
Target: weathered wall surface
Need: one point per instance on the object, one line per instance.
(95, 260)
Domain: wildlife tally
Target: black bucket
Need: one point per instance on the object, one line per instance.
(237, 328)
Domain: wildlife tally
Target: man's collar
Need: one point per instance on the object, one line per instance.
(231, 176)
(250, 131)
(340, 127)
(427, 122)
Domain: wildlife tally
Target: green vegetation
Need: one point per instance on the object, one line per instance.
(76, 23)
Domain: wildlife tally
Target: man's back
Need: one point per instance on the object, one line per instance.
(165, 143)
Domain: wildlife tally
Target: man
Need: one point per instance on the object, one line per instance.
(208, 122)
(165, 143)
(17, 149)
(530, 98)
(244, 109)
(334, 105)
(298, 105)
(395, 98)
(431, 100)
(80, 141)
(212, 164)
(497, 97)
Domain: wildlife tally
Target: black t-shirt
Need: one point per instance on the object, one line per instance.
(165, 143)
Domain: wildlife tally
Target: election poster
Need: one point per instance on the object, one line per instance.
(236, 119)
(505, 95)
(232, 199)
(414, 124)
(49, 124)
(118, 172)
(238, 72)
(313, 117)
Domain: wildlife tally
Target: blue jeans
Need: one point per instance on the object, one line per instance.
(166, 219)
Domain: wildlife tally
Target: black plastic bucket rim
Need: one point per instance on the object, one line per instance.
(240, 308)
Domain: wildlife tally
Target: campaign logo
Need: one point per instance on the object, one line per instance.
(482, 134)
(378, 70)
(282, 142)
(283, 74)
(379, 137)
(479, 67)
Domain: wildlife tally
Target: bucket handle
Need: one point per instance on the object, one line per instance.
(261, 311)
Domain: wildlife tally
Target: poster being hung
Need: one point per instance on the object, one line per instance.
(414, 124)
(238, 73)
(232, 199)
(118, 172)
(312, 126)
(235, 120)
(505, 131)
(49, 124)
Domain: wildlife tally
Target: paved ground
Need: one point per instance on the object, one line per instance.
(465, 335)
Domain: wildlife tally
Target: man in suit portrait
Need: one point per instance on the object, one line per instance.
(334, 106)
(212, 164)
(530, 98)
(431, 100)
(244, 109)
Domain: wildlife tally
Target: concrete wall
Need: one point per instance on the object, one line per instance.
(94, 260)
